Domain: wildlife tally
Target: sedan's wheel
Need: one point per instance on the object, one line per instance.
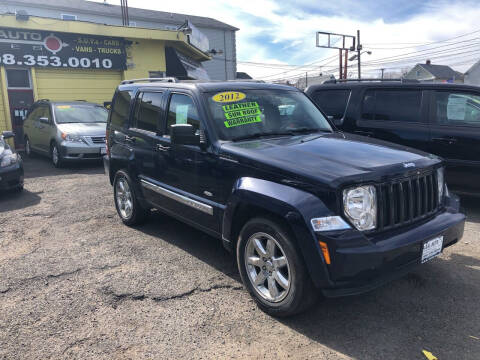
(127, 203)
(267, 267)
(272, 268)
(56, 156)
(28, 149)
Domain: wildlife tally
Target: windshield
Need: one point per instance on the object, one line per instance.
(80, 113)
(255, 113)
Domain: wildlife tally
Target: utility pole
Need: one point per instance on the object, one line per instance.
(383, 69)
(359, 49)
(346, 62)
(306, 79)
(340, 75)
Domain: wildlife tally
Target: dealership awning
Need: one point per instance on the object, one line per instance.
(183, 67)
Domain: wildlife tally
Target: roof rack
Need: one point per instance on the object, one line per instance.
(403, 80)
(165, 79)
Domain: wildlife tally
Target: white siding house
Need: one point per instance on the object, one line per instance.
(221, 36)
(472, 76)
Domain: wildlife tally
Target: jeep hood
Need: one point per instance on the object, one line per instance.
(333, 158)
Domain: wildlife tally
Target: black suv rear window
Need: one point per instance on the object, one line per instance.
(332, 102)
(121, 108)
(392, 105)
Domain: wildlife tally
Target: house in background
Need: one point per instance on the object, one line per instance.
(221, 37)
(472, 76)
(434, 73)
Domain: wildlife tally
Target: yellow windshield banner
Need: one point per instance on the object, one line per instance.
(229, 96)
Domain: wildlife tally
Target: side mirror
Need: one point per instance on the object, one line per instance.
(337, 122)
(44, 120)
(8, 134)
(184, 134)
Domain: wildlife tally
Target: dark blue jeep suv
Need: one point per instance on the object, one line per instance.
(307, 209)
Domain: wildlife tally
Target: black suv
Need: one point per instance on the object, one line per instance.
(303, 206)
(443, 119)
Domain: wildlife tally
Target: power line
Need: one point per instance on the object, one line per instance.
(427, 44)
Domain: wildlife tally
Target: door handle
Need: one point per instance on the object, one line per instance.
(449, 141)
(161, 147)
(129, 139)
(364, 133)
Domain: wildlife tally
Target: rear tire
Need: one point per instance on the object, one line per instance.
(28, 148)
(272, 268)
(126, 200)
(57, 159)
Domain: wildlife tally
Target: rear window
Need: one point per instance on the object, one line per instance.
(392, 105)
(73, 113)
(120, 108)
(332, 102)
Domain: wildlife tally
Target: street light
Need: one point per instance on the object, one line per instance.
(355, 56)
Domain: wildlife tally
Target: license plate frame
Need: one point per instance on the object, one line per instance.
(432, 248)
(103, 151)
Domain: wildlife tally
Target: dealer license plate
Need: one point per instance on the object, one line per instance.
(432, 248)
(103, 151)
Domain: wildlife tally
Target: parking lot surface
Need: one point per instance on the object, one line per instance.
(76, 283)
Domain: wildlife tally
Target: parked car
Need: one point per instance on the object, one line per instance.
(443, 119)
(66, 131)
(11, 166)
(302, 206)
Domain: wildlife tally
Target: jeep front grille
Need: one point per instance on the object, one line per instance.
(407, 200)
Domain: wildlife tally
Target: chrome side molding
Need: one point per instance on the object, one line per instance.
(207, 209)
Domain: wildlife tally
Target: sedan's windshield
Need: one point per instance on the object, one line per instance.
(255, 113)
(80, 113)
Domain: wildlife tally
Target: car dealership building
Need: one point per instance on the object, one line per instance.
(61, 60)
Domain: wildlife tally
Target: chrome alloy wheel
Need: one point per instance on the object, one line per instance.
(55, 155)
(27, 147)
(124, 198)
(267, 267)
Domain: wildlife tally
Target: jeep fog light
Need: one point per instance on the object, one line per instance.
(329, 223)
(360, 206)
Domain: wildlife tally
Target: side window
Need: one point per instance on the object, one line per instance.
(120, 108)
(457, 108)
(33, 115)
(332, 102)
(393, 105)
(368, 106)
(46, 113)
(147, 111)
(182, 110)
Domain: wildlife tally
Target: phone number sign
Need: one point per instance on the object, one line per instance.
(20, 47)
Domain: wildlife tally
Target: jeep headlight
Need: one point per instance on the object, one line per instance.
(360, 206)
(441, 184)
(8, 158)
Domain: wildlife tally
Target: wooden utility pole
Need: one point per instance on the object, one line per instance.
(340, 75)
(346, 62)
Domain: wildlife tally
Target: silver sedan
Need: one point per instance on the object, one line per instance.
(66, 131)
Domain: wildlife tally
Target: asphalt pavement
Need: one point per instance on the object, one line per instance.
(76, 283)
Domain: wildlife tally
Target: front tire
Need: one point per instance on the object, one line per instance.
(57, 159)
(127, 204)
(272, 268)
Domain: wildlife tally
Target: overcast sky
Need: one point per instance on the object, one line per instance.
(283, 32)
